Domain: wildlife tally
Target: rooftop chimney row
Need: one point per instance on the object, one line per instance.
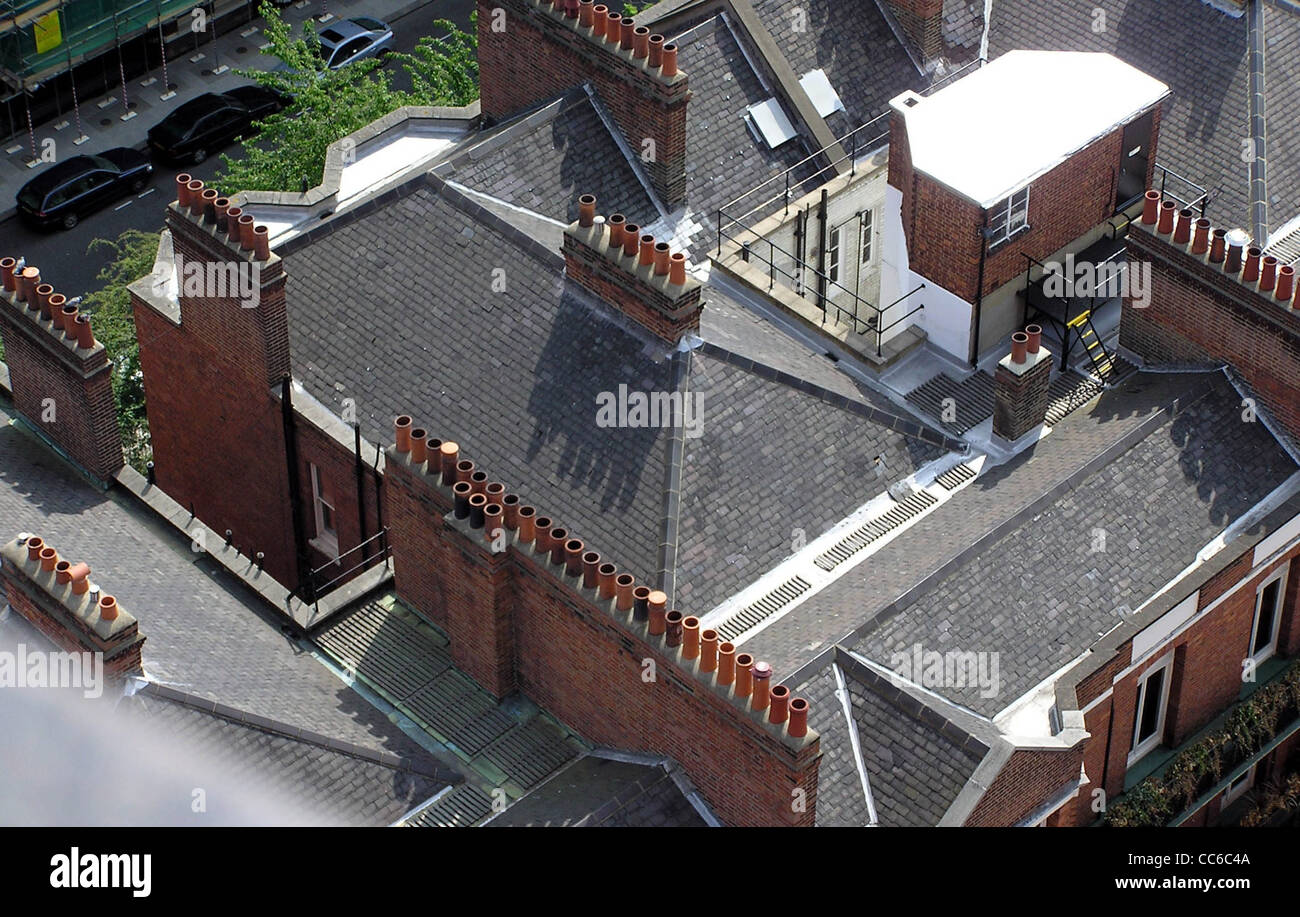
(1227, 250)
(632, 271)
(59, 599)
(37, 303)
(229, 224)
(638, 610)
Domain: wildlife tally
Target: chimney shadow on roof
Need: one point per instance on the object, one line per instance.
(36, 476)
(585, 356)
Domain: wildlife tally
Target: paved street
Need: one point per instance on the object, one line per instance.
(62, 255)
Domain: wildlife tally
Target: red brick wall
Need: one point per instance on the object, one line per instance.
(1205, 676)
(666, 310)
(78, 382)
(943, 229)
(539, 55)
(216, 429)
(336, 463)
(1027, 781)
(1199, 314)
(515, 619)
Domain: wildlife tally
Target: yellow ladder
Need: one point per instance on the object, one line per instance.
(1097, 353)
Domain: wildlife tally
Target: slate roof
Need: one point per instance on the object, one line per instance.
(600, 792)
(771, 459)
(513, 378)
(1202, 54)
(1077, 565)
(205, 634)
(917, 760)
(724, 159)
(303, 773)
(853, 44)
(544, 162)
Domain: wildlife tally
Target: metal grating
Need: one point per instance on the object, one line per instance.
(972, 400)
(955, 476)
(887, 522)
(462, 807)
(1286, 249)
(530, 753)
(387, 651)
(765, 607)
(1068, 392)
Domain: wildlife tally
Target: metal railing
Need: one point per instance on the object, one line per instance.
(312, 590)
(860, 138)
(1189, 187)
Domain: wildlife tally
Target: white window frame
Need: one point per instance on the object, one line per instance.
(866, 236)
(1141, 749)
(833, 239)
(1009, 217)
(1239, 787)
(1259, 654)
(327, 539)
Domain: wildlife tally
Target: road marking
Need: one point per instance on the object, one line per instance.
(121, 205)
(145, 193)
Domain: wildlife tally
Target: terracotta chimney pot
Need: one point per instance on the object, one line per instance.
(641, 603)
(677, 268)
(606, 575)
(590, 570)
(762, 677)
(726, 663)
(417, 439)
(1183, 229)
(1201, 237)
(510, 508)
(80, 575)
(647, 249)
(1268, 273)
(744, 675)
(661, 259)
(559, 538)
(448, 453)
(669, 67)
(640, 43)
(34, 545)
(655, 44)
(779, 706)
(691, 638)
(527, 525)
(7, 266)
(798, 725)
(1150, 207)
(402, 427)
(1019, 347)
(1166, 224)
(708, 650)
(631, 238)
(107, 608)
(49, 558)
(623, 585)
(183, 190)
(616, 223)
(657, 608)
(586, 209)
(673, 628)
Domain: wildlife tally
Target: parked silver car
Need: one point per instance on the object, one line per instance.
(350, 40)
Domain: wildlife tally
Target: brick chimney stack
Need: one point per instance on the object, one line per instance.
(922, 22)
(59, 600)
(533, 50)
(61, 376)
(632, 272)
(1021, 387)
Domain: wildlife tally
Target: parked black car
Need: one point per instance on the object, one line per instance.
(206, 124)
(77, 187)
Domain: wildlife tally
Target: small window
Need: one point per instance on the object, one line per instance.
(833, 255)
(1268, 611)
(865, 235)
(1009, 217)
(327, 538)
(1237, 788)
(1149, 711)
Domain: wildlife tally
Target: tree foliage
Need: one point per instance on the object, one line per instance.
(133, 254)
(327, 105)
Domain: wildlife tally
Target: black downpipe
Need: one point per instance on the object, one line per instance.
(305, 586)
(379, 504)
(361, 493)
(979, 290)
(821, 253)
(800, 230)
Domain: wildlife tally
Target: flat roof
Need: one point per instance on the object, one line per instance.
(990, 133)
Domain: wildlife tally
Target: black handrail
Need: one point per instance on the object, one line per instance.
(1199, 202)
(367, 559)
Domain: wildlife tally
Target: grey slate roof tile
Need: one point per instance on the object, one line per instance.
(853, 44)
(1199, 51)
(202, 630)
(546, 167)
(1046, 591)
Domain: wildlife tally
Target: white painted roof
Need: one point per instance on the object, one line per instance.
(992, 132)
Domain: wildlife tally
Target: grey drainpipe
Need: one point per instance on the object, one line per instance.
(821, 254)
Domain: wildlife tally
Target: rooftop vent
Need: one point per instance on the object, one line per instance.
(771, 123)
(1284, 245)
(824, 97)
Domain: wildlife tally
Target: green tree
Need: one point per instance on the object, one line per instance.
(133, 254)
(327, 105)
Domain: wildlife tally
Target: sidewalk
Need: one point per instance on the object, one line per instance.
(192, 74)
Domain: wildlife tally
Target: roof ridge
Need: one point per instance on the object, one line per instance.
(914, 429)
(674, 461)
(481, 214)
(284, 730)
(974, 735)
